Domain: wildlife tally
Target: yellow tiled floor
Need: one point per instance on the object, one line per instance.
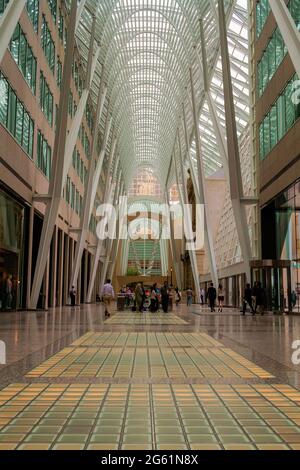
(147, 339)
(43, 416)
(145, 318)
(162, 416)
(143, 362)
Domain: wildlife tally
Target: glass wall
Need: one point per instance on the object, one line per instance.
(11, 251)
(46, 99)
(33, 13)
(263, 10)
(287, 206)
(14, 116)
(48, 44)
(43, 155)
(22, 53)
(281, 117)
(270, 60)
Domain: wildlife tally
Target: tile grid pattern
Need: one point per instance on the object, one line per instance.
(149, 416)
(138, 362)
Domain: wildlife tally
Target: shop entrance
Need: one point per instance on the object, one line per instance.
(275, 277)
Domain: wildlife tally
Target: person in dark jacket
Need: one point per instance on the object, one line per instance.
(260, 298)
(165, 297)
(212, 295)
(248, 299)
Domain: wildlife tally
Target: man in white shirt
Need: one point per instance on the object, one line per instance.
(108, 295)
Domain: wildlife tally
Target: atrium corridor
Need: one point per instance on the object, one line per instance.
(149, 164)
(185, 380)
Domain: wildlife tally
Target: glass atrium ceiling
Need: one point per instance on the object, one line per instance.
(147, 49)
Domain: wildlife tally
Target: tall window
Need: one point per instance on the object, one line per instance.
(262, 13)
(270, 60)
(22, 53)
(3, 4)
(59, 72)
(43, 155)
(53, 8)
(48, 44)
(15, 117)
(33, 13)
(46, 99)
(281, 117)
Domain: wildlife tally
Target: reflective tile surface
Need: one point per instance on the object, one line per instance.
(145, 318)
(149, 417)
(188, 380)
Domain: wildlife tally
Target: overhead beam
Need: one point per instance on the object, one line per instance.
(234, 164)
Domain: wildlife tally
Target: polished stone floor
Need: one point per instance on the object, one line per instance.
(186, 380)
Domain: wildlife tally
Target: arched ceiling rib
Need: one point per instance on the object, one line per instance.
(147, 48)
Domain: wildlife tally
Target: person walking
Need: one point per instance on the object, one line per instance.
(108, 295)
(189, 297)
(248, 300)
(73, 296)
(144, 296)
(260, 298)
(177, 296)
(221, 297)
(254, 296)
(165, 297)
(139, 297)
(153, 298)
(202, 295)
(212, 295)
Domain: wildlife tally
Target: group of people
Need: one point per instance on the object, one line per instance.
(255, 298)
(157, 296)
(214, 295)
(6, 291)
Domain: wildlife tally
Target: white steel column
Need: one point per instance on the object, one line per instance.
(188, 222)
(106, 200)
(76, 123)
(220, 137)
(288, 29)
(56, 182)
(85, 216)
(99, 165)
(234, 164)
(208, 237)
(126, 244)
(176, 262)
(116, 244)
(111, 240)
(8, 23)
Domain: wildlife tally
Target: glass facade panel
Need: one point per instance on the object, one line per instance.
(48, 44)
(43, 155)
(281, 117)
(14, 116)
(3, 4)
(33, 13)
(287, 206)
(22, 53)
(11, 251)
(46, 99)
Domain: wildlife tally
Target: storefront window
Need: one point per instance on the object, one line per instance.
(288, 236)
(11, 248)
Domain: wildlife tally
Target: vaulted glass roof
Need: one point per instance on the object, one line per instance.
(147, 50)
